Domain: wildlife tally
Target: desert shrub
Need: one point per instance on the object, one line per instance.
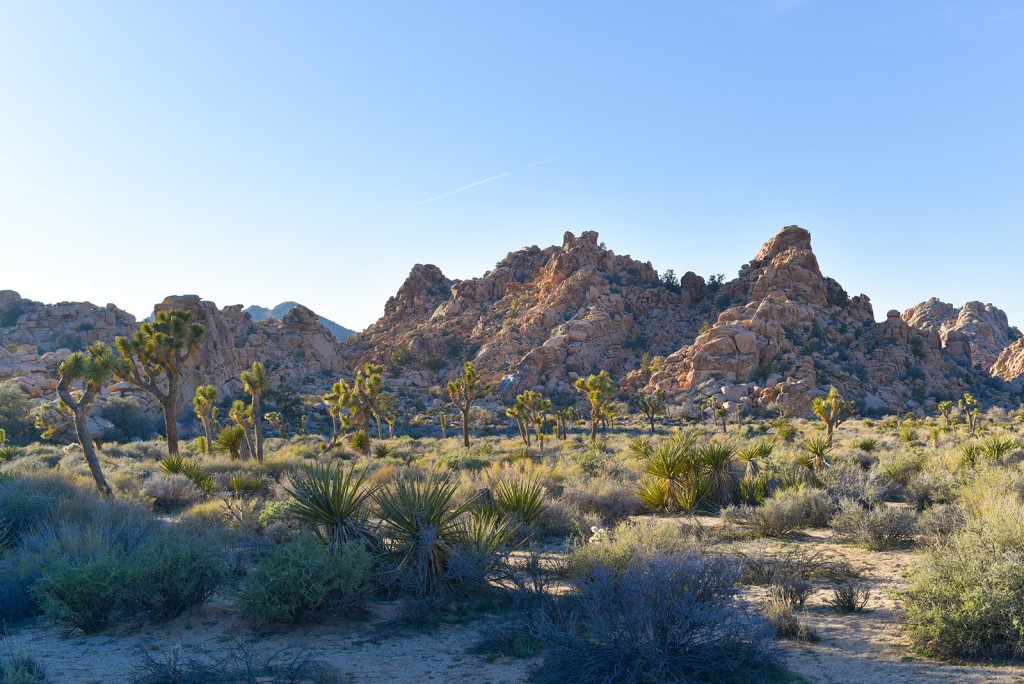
(936, 523)
(761, 567)
(240, 666)
(462, 459)
(192, 469)
(73, 532)
(171, 492)
(247, 484)
(897, 469)
(21, 669)
(786, 511)
(782, 616)
(752, 490)
(849, 598)
(632, 542)
(879, 527)
(14, 411)
(82, 596)
(169, 574)
(301, 580)
(966, 599)
(611, 500)
(28, 500)
(793, 588)
(850, 481)
(868, 445)
(929, 487)
(129, 420)
(669, 618)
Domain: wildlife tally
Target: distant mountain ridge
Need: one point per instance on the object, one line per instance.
(259, 313)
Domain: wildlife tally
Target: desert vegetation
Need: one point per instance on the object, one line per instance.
(602, 545)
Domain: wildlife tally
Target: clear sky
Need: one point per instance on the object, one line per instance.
(256, 152)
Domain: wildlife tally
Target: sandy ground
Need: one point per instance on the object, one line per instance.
(862, 647)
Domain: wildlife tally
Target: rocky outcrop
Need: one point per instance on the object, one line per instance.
(796, 332)
(1010, 364)
(538, 320)
(984, 328)
(298, 350)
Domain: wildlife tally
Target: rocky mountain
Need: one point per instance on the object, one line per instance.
(538, 320)
(781, 329)
(983, 326)
(541, 318)
(297, 349)
(259, 313)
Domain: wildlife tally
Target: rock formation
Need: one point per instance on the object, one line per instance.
(984, 328)
(297, 350)
(538, 320)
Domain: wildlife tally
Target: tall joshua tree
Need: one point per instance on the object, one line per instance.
(255, 382)
(463, 391)
(92, 370)
(205, 403)
(832, 410)
(599, 390)
(154, 358)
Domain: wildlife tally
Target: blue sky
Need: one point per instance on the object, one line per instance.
(254, 152)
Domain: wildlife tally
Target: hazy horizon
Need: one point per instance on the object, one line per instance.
(256, 153)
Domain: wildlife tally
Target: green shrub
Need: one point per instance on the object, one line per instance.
(300, 580)
(82, 596)
(879, 527)
(788, 510)
(966, 599)
(21, 669)
(170, 574)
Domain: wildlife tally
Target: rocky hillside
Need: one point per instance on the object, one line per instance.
(543, 317)
(298, 350)
(259, 313)
(539, 319)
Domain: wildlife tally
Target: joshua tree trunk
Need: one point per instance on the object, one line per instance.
(170, 424)
(208, 432)
(465, 428)
(82, 428)
(257, 427)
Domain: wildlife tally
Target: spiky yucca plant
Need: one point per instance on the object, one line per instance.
(818, 448)
(998, 447)
(717, 458)
(519, 500)
(331, 501)
(421, 526)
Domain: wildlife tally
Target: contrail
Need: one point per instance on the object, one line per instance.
(1001, 17)
(462, 189)
(542, 162)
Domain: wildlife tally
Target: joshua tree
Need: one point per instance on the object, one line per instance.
(242, 416)
(563, 417)
(153, 360)
(532, 409)
(276, 420)
(93, 369)
(945, 409)
(972, 411)
(255, 382)
(464, 391)
(832, 410)
(599, 390)
(387, 408)
(205, 403)
(518, 414)
(650, 405)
